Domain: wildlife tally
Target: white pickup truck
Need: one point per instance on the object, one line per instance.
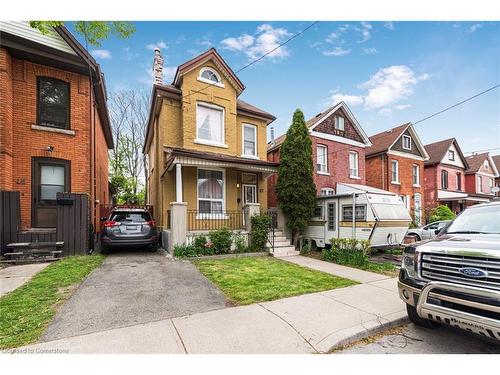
(454, 279)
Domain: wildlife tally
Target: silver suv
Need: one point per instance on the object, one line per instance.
(454, 279)
(427, 232)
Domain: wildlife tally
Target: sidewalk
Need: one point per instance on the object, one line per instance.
(14, 276)
(310, 323)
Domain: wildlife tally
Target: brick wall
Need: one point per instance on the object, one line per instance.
(28, 142)
(471, 183)
(6, 131)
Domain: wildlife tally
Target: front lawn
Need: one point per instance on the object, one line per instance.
(26, 312)
(247, 280)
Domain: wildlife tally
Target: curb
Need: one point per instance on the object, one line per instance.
(348, 336)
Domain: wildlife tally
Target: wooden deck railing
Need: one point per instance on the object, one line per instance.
(210, 221)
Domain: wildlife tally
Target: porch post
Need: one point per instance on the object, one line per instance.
(178, 183)
(178, 224)
(251, 209)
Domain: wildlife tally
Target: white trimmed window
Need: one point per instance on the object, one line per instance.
(451, 155)
(322, 159)
(406, 142)
(209, 75)
(210, 124)
(395, 171)
(249, 140)
(416, 175)
(479, 184)
(486, 165)
(327, 191)
(339, 123)
(353, 164)
(210, 191)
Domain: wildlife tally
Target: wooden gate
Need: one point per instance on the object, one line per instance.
(73, 223)
(9, 218)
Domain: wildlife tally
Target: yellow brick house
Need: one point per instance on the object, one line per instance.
(206, 149)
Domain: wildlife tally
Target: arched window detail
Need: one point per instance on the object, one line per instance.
(209, 75)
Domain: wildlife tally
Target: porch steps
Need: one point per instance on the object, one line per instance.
(282, 246)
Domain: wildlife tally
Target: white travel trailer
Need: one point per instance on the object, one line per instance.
(361, 212)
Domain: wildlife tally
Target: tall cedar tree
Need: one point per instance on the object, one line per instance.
(295, 188)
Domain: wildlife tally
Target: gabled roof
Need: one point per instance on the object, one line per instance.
(476, 161)
(211, 54)
(496, 161)
(438, 150)
(383, 141)
(319, 118)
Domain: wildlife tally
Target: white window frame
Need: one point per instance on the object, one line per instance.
(319, 170)
(451, 153)
(212, 216)
(479, 184)
(406, 137)
(351, 175)
(254, 127)
(203, 79)
(486, 165)
(416, 183)
(396, 181)
(337, 123)
(205, 141)
(326, 192)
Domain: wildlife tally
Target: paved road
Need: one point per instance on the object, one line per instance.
(412, 339)
(132, 288)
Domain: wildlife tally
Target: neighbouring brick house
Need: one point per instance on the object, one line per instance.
(338, 147)
(480, 178)
(496, 161)
(54, 125)
(395, 163)
(444, 176)
(206, 149)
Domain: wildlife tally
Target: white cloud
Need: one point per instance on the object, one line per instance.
(389, 25)
(365, 31)
(370, 51)
(353, 100)
(147, 77)
(161, 45)
(384, 89)
(474, 27)
(337, 51)
(265, 39)
(101, 54)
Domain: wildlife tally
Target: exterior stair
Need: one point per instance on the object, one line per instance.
(282, 245)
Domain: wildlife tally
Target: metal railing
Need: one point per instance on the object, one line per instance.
(197, 220)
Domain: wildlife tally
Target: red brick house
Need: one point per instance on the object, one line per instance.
(496, 161)
(480, 178)
(54, 125)
(395, 163)
(338, 144)
(444, 175)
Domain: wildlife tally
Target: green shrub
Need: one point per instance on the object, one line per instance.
(221, 240)
(202, 246)
(240, 245)
(347, 251)
(260, 231)
(185, 251)
(441, 213)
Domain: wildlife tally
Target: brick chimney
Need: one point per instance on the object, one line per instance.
(158, 68)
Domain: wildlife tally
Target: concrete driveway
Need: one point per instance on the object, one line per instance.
(132, 288)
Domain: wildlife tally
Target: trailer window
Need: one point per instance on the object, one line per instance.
(331, 216)
(360, 213)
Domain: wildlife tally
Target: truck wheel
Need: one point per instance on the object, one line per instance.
(417, 320)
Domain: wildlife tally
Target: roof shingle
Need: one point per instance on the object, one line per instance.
(383, 140)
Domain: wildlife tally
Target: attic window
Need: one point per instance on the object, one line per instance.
(339, 122)
(209, 75)
(451, 155)
(406, 142)
(486, 165)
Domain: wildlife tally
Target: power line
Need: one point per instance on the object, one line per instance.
(261, 57)
(485, 150)
(457, 104)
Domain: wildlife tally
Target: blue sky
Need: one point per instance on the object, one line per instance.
(388, 72)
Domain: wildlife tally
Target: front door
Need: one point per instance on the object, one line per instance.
(50, 176)
(249, 194)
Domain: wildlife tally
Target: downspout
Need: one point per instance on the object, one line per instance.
(354, 215)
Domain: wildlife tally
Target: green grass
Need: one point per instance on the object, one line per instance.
(248, 280)
(26, 312)
(385, 268)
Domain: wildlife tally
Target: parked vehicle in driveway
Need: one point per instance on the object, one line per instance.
(454, 279)
(428, 231)
(129, 227)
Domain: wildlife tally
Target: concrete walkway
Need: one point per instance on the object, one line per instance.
(13, 277)
(310, 323)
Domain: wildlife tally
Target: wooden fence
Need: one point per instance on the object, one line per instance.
(73, 223)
